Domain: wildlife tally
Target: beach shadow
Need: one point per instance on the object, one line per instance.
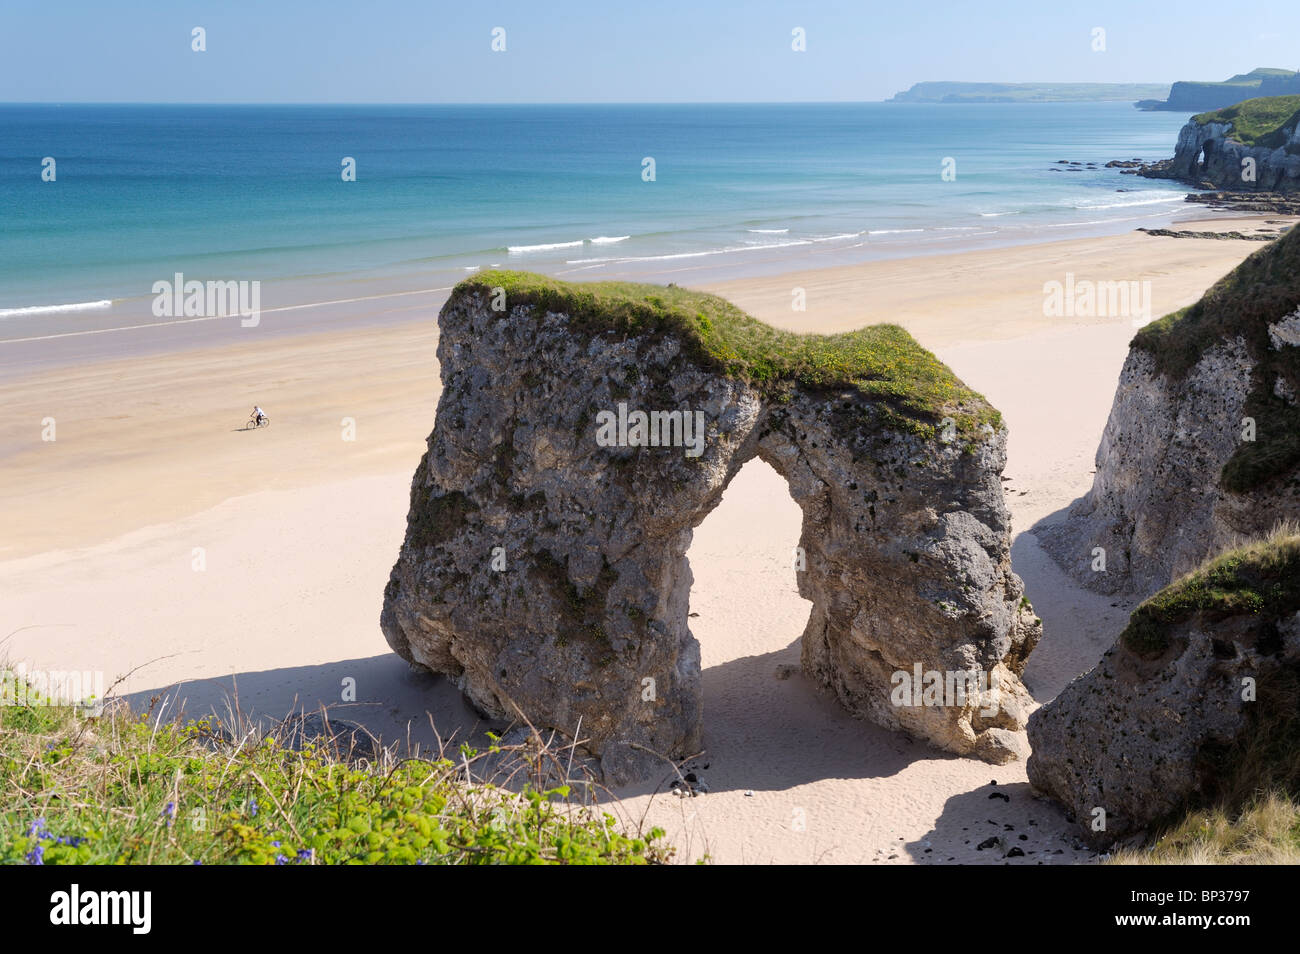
(1078, 624)
(768, 727)
(1002, 824)
(394, 703)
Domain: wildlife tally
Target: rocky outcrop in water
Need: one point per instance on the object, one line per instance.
(1230, 236)
(1209, 155)
(584, 431)
(1202, 447)
(1266, 203)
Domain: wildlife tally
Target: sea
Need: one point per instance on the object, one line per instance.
(354, 203)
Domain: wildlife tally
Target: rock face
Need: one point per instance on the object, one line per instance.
(1207, 156)
(1202, 447)
(1179, 711)
(1194, 97)
(545, 571)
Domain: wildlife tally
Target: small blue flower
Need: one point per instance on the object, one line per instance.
(36, 856)
(38, 829)
(281, 860)
(169, 813)
(275, 844)
(252, 807)
(305, 855)
(196, 862)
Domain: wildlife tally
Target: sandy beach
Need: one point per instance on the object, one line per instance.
(156, 537)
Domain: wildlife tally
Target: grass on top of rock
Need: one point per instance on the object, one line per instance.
(1247, 809)
(1260, 579)
(1266, 121)
(882, 362)
(1262, 290)
(128, 788)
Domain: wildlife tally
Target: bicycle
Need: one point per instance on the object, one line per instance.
(254, 422)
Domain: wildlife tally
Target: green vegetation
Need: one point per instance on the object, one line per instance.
(126, 789)
(1267, 121)
(1260, 579)
(1264, 832)
(882, 362)
(1260, 291)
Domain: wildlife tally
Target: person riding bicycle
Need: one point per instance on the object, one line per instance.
(258, 415)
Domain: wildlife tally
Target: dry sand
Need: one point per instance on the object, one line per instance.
(295, 530)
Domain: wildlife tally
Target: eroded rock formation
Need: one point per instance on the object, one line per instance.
(545, 571)
(1202, 447)
(1193, 704)
(1209, 155)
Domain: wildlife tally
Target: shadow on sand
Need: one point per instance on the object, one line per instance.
(1000, 824)
(766, 728)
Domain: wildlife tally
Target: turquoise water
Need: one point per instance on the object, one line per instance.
(255, 192)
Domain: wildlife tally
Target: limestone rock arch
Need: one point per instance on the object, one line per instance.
(546, 570)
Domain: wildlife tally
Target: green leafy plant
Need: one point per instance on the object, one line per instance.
(128, 789)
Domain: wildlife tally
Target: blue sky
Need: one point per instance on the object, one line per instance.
(609, 50)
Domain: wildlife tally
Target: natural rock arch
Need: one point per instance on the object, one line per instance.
(546, 570)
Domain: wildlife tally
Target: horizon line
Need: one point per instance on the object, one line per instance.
(627, 102)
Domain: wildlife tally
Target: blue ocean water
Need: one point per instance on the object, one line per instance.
(255, 192)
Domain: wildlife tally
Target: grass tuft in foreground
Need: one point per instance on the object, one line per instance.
(882, 362)
(128, 789)
(1265, 832)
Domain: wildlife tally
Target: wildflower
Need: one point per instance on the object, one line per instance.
(305, 855)
(38, 829)
(169, 812)
(281, 860)
(275, 844)
(252, 807)
(36, 856)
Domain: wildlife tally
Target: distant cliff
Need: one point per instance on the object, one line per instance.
(1195, 97)
(942, 92)
(1253, 146)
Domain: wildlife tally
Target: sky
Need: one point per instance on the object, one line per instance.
(428, 51)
